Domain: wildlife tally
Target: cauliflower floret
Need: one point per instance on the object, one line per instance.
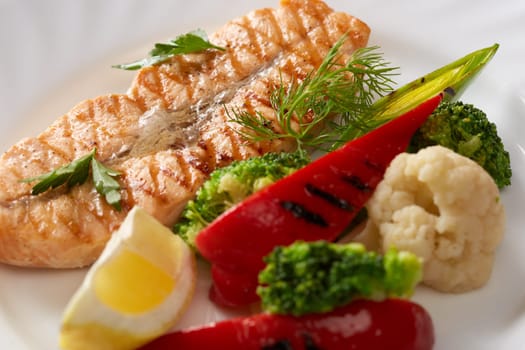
(446, 209)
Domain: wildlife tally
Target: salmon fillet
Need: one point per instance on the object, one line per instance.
(165, 135)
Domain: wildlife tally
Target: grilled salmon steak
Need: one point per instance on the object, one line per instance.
(165, 135)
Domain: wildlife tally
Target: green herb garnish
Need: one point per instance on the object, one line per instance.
(192, 42)
(452, 79)
(345, 92)
(336, 101)
(76, 173)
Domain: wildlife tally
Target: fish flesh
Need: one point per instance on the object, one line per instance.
(165, 135)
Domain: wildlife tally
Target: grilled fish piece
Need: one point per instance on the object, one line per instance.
(165, 135)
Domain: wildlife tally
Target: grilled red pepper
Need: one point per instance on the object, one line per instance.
(363, 324)
(316, 202)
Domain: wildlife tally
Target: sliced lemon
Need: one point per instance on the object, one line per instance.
(134, 292)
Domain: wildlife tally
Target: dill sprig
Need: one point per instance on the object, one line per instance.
(317, 110)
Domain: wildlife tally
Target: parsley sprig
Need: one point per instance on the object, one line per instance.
(318, 111)
(76, 173)
(192, 42)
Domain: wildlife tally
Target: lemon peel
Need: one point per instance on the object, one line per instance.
(137, 289)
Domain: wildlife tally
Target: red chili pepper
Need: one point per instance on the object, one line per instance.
(316, 202)
(363, 324)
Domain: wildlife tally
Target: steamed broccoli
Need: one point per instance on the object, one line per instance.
(466, 130)
(230, 185)
(319, 276)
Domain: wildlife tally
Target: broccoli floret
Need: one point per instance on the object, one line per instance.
(319, 276)
(466, 130)
(230, 185)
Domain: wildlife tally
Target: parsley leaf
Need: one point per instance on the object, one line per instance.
(105, 184)
(192, 42)
(73, 173)
(76, 173)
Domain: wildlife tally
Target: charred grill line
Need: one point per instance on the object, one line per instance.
(309, 343)
(356, 182)
(282, 344)
(374, 166)
(330, 198)
(301, 212)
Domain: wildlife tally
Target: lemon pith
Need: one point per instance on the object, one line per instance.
(100, 338)
(137, 289)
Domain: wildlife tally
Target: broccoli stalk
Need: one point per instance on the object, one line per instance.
(466, 130)
(230, 185)
(319, 276)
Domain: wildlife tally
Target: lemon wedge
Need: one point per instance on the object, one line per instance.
(136, 290)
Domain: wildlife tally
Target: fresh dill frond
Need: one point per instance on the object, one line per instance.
(256, 126)
(314, 111)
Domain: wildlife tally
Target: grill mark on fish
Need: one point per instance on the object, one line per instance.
(233, 61)
(225, 158)
(98, 132)
(210, 161)
(159, 170)
(255, 47)
(160, 88)
(300, 20)
(156, 186)
(67, 131)
(57, 152)
(277, 34)
(140, 99)
(116, 105)
(152, 86)
(183, 178)
(77, 125)
(64, 228)
(166, 84)
(171, 76)
(200, 164)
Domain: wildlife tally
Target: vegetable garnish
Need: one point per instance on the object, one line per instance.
(137, 290)
(314, 277)
(339, 99)
(317, 202)
(361, 325)
(446, 209)
(192, 42)
(230, 185)
(76, 173)
(345, 91)
(451, 80)
(105, 183)
(466, 130)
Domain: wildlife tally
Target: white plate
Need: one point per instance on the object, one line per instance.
(57, 53)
